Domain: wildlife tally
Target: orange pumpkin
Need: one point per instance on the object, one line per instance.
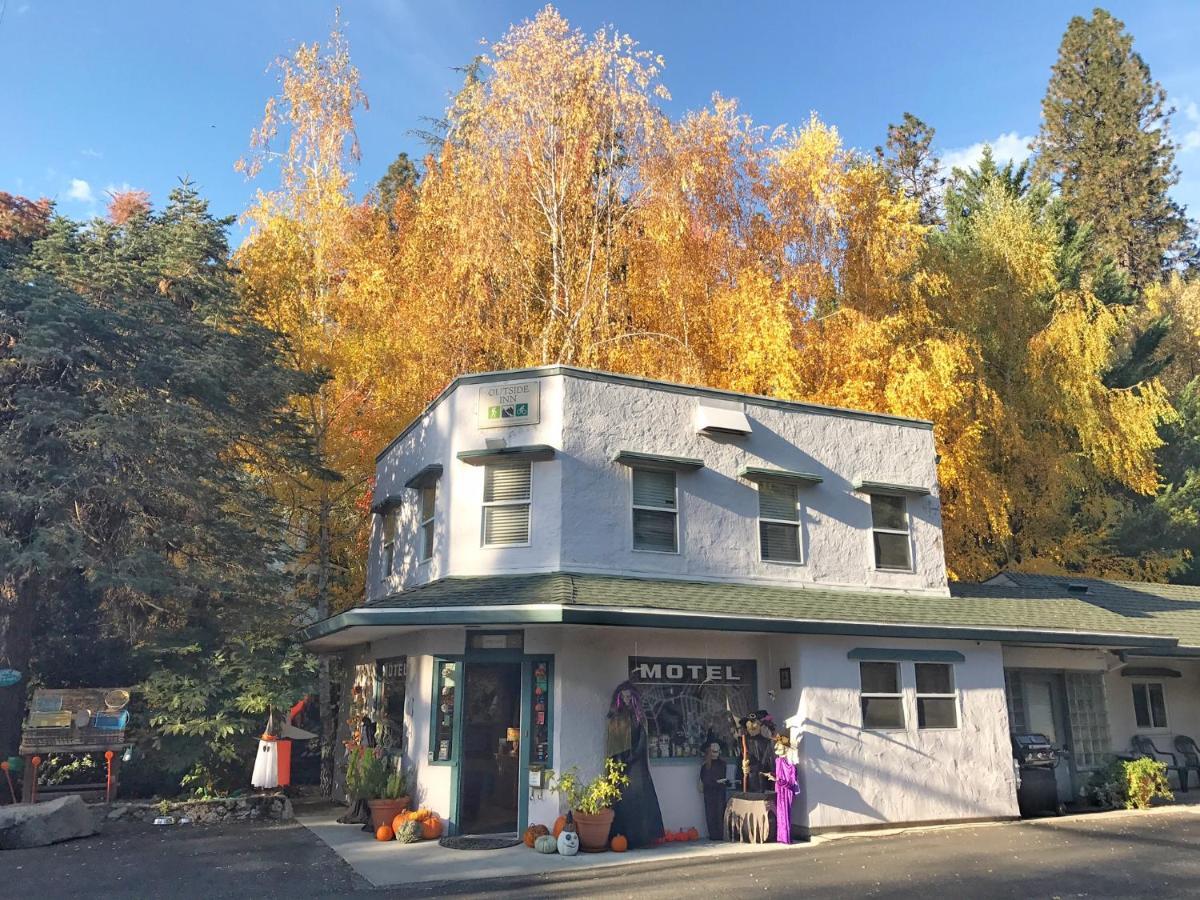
(559, 824)
(431, 828)
(533, 832)
(398, 821)
(420, 815)
(384, 833)
(620, 843)
(693, 834)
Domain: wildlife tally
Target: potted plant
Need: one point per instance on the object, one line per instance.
(591, 803)
(367, 778)
(393, 798)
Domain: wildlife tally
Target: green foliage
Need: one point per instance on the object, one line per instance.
(912, 165)
(137, 541)
(1126, 784)
(1105, 143)
(598, 794)
(366, 774)
(396, 785)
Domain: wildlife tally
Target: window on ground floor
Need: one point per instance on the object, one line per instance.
(882, 701)
(445, 700)
(690, 701)
(937, 701)
(1149, 705)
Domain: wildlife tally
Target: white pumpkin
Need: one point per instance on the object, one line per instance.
(568, 843)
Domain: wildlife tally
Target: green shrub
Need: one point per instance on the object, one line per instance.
(1125, 784)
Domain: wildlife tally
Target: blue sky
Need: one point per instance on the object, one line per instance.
(100, 95)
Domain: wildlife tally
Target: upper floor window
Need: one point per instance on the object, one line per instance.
(506, 501)
(428, 503)
(1150, 705)
(391, 524)
(890, 530)
(778, 521)
(655, 511)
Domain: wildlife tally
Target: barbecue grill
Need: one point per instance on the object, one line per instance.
(1037, 785)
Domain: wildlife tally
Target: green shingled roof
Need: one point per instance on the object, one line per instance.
(1016, 612)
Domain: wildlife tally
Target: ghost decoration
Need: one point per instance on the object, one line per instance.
(568, 843)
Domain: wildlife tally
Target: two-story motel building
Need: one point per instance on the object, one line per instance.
(542, 535)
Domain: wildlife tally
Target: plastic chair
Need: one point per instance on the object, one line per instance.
(1186, 748)
(1144, 747)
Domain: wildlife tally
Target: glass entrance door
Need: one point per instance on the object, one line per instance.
(491, 748)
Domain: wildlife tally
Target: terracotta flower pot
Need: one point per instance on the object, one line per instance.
(593, 830)
(383, 811)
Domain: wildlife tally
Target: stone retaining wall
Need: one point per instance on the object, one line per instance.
(256, 807)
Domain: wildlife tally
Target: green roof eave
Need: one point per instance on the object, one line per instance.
(758, 474)
(386, 616)
(530, 452)
(636, 459)
(886, 487)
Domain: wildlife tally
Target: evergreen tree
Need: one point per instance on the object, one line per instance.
(136, 400)
(1105, 143)
(400, 180)
(913, 166)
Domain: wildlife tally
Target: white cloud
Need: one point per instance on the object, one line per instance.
(1190, 139)
(1008, 145)
(90, 153)
(80, 190)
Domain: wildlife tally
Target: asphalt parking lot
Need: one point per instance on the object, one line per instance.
(1154, 854)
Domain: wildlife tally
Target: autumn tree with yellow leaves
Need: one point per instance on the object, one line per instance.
(563, 216)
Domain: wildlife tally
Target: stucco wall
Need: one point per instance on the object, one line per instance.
(581, 518)
(719, 511)
(850, 777)
(854, 777)
(1182, 694)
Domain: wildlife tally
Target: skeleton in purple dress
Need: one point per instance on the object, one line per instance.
(785, 788)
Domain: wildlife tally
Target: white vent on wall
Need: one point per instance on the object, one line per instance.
(721, 417)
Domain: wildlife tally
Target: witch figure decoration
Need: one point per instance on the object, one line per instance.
(785, 788)
(636, 815)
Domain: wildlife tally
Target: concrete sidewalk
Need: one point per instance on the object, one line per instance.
(388, 863)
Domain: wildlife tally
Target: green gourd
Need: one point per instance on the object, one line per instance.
(409, 833)
(545, 843)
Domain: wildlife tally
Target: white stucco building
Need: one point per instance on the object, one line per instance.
(542, 535)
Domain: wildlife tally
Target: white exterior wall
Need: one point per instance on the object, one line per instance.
(849, 777)
(852, 777)
(581, 515)
(1182, 694)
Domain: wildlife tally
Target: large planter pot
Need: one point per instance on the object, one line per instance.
(593, 830)
(383, 811)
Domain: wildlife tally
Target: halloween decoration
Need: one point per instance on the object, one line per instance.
(568, 843)
(619, 844)
(636, 814)
(546, 843)
(693, 834)
(431, 828)
(533, 832)
(785, 788)
(410, 833)
(713, 784)
(384, 833)
(750, 818)
(758, 754)
(558, 825)
(266, 764)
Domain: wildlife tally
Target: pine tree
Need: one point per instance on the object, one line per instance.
(134, 396)
(1105, 143)
(913, 166)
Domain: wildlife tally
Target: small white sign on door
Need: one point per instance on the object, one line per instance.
(504, 405)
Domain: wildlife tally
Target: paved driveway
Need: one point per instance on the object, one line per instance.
(1114, 855)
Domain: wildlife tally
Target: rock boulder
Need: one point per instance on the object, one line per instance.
(26, 825)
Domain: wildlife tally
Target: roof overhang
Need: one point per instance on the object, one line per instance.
(636, 460)
(759, 474)
(374, 622)
(426, 477)
(530, 452)
(867, 486)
